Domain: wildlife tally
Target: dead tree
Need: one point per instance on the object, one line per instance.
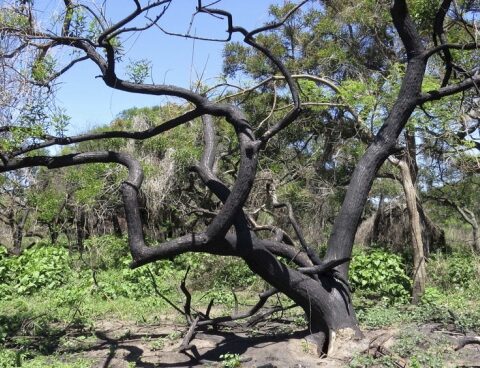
(320, 287)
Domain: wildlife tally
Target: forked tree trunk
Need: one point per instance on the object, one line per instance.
(419, 267)
(327, 303)
(326, 300)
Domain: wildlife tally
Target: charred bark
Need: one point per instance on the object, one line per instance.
(323, 292)
(384, 144)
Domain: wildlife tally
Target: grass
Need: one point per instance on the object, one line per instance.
(49, 327)
(421, 349)
(450, 303)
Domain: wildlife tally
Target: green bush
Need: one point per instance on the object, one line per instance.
(5, 274)
(105, 252)
(379, 275)
(223, 272)
(138, 282)
(379, 315)
(40, 267)
(9, 358)
(431, 295)
(233, 273)
(457, 271)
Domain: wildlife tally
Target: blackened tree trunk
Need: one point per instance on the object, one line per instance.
(320, 287)
(341, 241)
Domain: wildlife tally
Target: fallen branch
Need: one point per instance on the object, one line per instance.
(159, 294)
(263, 297)
(189, 336)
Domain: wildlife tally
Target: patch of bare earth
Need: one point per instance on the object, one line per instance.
(123, 344)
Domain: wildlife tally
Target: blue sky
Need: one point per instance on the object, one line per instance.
(175, 60)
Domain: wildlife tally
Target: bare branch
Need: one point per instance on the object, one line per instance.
(110, 32)
(474, 82)
(467, 341)
(148, 133)
(272, 26)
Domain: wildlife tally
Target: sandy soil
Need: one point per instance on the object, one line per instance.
(123, 344)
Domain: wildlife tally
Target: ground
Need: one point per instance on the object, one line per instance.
(126, 319)
(275, 344)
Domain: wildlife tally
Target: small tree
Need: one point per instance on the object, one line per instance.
(319, 286)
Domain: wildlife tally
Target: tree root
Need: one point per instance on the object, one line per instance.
(467, 341)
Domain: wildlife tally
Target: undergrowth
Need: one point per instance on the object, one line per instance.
(49, 294)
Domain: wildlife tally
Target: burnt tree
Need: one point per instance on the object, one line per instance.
(319, 286)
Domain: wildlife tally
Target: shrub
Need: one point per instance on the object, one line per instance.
(223, 272)
(104, 252)
(42, 266)
(379, 315)
(431, 296)
(458, 271)
(9, 358)
(378, 274)
(136, 283)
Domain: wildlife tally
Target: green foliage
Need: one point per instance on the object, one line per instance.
(9, 358)
(16, 358)
(39, 267)
(363, 361)
(423, 12)
(431, 295)
(230, 360)
(90, 181)
(380, 275)
(105, 252)
(456, 307)
(139, 70)
(455, 271)
(224, 273)
(56, 362)
(4, 271)
(379, 315)
(19, 320)
(11, 18)
(60, 121)
(43, 68)
(137, 283)
(361, 95)
(422, 350)
(234, 273)
(20, 134)
(47, 202)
